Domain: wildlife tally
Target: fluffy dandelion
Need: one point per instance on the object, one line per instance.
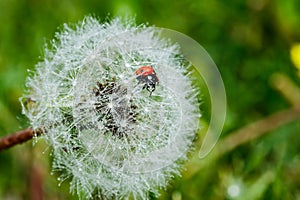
(117, 106)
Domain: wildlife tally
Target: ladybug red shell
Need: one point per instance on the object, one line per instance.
(147, 76)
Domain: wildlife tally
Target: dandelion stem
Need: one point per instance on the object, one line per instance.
(246, 134)
(18, 138)
(258, 129)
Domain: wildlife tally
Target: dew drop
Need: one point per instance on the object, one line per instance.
(110, 105)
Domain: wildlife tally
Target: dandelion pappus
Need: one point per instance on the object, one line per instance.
(148, 77)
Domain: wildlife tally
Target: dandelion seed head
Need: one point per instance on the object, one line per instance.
(111, 135)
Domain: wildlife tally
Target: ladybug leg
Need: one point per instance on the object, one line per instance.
(145, 87)
(150, 87)
(150, 91)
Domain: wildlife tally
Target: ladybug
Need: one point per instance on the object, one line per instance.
(147, 76)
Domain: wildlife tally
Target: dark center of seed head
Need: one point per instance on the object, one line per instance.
(115, 110)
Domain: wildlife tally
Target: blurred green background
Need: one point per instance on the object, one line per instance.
(250, 41)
